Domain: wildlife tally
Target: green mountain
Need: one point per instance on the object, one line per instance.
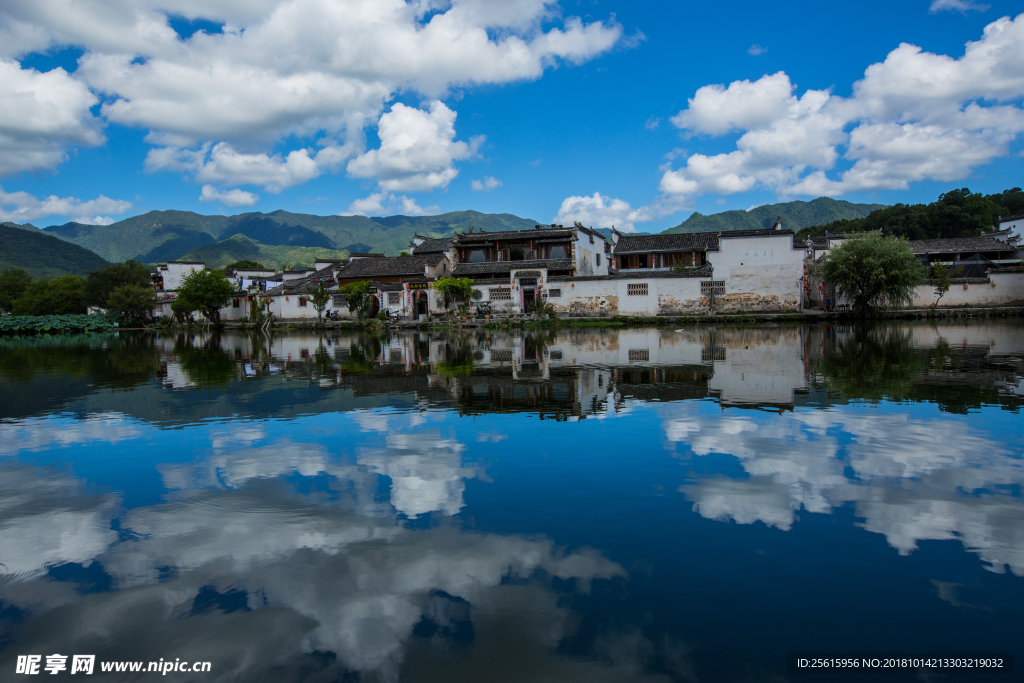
(42, 255)
(241, 247)
(169, 235)
(795, 215)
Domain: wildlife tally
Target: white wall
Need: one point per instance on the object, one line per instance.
(1002, 289)
(586, 263)
(175, 273)
(665, 296)
(760, 273)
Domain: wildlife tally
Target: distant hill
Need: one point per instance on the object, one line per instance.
(241, 247)
(42, 255)
(170, 235)
(795, 216)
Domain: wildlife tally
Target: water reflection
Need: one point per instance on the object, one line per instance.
(349, 507)
(558, 374)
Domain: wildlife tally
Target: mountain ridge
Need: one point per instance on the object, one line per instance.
(796, 215)
(42, 255)
(159, 236)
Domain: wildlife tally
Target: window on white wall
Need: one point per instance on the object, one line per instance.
(637, 290)
(554, 293)
(501, 295)
(598, 257)
(394, 298)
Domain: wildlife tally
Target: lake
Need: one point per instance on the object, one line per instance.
(579, 504)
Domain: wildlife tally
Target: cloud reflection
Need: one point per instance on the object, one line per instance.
(910, 479)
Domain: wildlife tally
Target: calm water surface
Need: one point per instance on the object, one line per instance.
(616, 505)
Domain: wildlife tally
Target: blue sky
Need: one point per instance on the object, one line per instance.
(521, 106)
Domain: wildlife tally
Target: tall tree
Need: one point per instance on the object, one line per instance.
(358, 296)
(133, 302)
(52, 296)
(872, 272)
(203, 291)
(13, 283)
(454, 289)
(320, 296)
(100, 283)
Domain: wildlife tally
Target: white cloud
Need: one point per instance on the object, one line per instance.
(22, 207)
(962, 6)
(41, 115)
(604, 212)
(234, 197)
(223, 164)
(385, 203)
(915, 116)
(369, 206)
(485, 185)
(417, 150)
(278, 68)
(756, 49)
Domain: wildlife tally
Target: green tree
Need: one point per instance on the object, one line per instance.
(872, 272)
(100, 283)
(133, 302)
(320, 296)
(454, 289)
(245, 265)
(62, 295)
(940, 278)
(203, 291)
(358, 296)
(956, 213)
(13, 283)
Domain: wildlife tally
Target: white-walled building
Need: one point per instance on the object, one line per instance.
(170, 275)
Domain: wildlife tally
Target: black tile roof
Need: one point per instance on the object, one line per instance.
(433, 246)
(685, 241)
(754, 233)
(692, 241)
(390, 266)
(461, 240)
(505, 266)
(700, 271)
(959, 244)
(302, 284)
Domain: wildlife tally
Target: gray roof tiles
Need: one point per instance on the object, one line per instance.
(685, 241)
(959, 244)
(462, 269)
(432, 246)
(390, 266)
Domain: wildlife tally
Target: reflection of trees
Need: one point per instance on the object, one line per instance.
(873, 363)
(881, 362)
(458, 357)
(117, 362)
(361, 355)
(207, 365)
